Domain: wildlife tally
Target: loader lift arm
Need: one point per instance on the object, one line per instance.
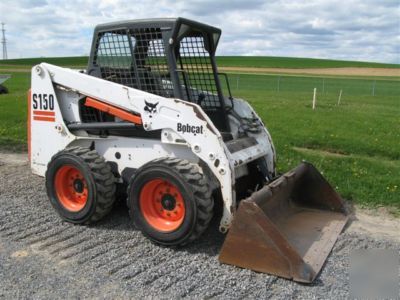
(170, 113)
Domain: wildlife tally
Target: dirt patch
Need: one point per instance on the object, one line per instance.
(375, 223)
(334, 153)
(331, 153)
(386, 72)
(13, 159)
(316, 71)
(15, 70)
(19, 254)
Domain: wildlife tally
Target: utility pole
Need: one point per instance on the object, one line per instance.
(4, 41)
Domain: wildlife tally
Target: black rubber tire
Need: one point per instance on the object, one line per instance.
(3, 89)
(193, 186)
(99, 178)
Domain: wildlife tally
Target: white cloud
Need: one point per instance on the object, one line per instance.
(352, 30)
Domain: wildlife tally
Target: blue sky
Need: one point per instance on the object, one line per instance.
(362, 30)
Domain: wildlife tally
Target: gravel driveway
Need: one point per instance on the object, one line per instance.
(44, 257)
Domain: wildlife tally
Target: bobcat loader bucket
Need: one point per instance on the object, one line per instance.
(287, 228)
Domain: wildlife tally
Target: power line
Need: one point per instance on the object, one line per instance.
(4, 41)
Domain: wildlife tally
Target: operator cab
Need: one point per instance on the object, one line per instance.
(172, 58)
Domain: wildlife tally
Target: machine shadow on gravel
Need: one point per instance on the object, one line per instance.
(209, 243)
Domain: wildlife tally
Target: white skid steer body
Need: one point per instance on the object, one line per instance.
(186, 130)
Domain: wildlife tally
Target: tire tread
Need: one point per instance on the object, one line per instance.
(198, 184)
(103, 178)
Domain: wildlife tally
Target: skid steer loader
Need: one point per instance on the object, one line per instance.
(152, 112)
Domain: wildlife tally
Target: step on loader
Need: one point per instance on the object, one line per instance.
(152, 116)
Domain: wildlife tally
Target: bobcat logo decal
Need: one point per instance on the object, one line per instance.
(151, 108)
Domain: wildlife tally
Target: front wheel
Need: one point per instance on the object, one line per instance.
(170, 201)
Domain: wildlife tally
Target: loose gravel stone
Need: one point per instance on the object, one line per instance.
(43, 257)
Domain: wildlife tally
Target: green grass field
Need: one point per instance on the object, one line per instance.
(223, 61)
(13, 112)
(355, 144)
(60, 61)
(292, 62)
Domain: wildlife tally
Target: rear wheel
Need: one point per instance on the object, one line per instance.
(170, 201)
(80, 185)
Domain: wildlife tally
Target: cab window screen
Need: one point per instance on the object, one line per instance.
(114, 50)
(195, 61)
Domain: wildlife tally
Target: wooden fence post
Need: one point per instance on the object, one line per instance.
(340, 97)
(314, 98)
(373, 88)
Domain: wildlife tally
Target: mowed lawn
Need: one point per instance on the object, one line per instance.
(356, 145)
(13, 112)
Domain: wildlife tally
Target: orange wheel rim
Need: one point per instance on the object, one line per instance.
(162, 205)
(71, 188)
